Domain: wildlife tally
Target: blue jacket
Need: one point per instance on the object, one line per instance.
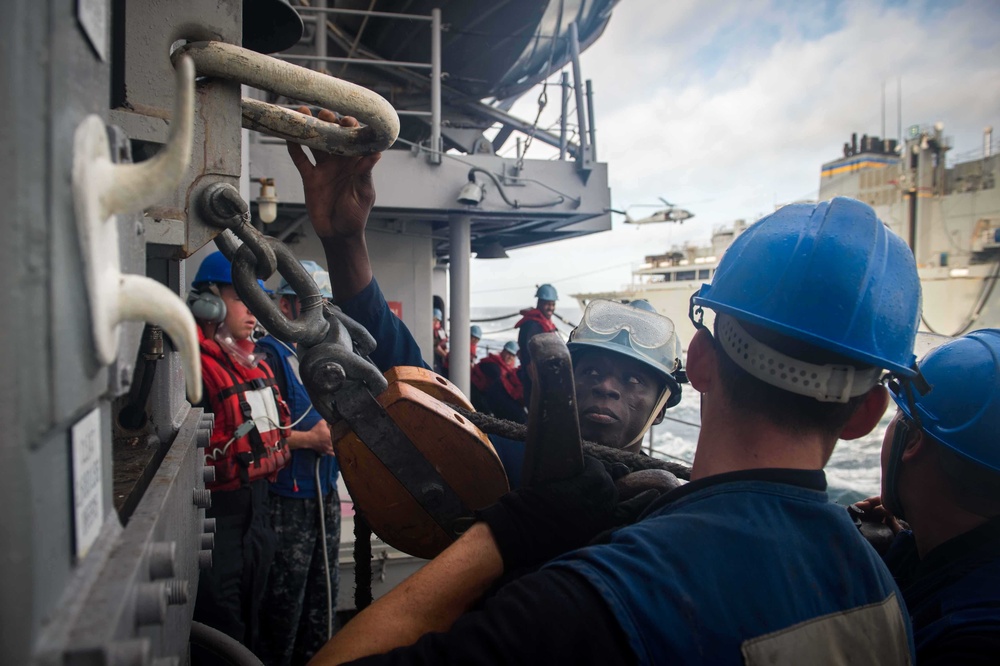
(740, 568)
(298, 478)
(396, 346)
(953, 595)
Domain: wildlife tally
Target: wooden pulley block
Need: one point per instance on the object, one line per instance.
(430, 383)
(415, 468)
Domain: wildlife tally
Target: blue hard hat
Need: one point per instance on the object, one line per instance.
(962, 409)
(547, 292)
(476, 332)
(437, 314)
(216, 269)
(830, 274)
(511, 347)
(635, 330)
(319, 275)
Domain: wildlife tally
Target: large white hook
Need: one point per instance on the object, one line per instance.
(103, 189)
(381, 122)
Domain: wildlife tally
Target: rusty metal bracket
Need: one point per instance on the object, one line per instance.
(554, 449)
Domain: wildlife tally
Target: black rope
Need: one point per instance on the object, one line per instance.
(501, 318)
(568, 323)
(492, 425)
(362, 563)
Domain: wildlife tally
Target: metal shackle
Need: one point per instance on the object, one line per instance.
(380, 121)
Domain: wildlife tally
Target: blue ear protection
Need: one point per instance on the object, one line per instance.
(207, 306)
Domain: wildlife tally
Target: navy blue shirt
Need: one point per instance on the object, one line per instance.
(298, 478)
(953, 595)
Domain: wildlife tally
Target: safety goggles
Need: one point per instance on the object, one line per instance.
(604, 320)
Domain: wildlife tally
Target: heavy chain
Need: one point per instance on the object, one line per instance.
(331, 346)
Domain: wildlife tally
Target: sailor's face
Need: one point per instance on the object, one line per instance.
(239, 320)
(615, 395)
(547, 308)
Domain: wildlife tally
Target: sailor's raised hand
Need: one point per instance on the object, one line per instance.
(532, 525)
(339, 191)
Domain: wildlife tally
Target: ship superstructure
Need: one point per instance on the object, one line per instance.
(947, 211)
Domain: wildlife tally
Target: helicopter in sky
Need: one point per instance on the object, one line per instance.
(671, 213)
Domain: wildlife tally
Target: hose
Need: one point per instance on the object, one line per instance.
(326, 555)
(222, 645)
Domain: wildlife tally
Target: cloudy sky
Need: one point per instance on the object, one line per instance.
(729, 108)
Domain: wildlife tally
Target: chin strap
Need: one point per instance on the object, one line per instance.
(890, 497)
(664, 396)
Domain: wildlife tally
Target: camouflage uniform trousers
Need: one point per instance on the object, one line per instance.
(293, 623)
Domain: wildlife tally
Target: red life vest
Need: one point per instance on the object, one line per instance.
(535, 315)
(237, 395)
(508, 377)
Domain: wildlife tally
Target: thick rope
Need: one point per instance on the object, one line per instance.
(362, 563)
(492, 425)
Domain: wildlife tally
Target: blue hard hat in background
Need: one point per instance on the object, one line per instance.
(511, 347)
(319, 275)
(547, 292)
(476, 332)
(830, 274)
(962, 409)
(216, 269)
(437, 314)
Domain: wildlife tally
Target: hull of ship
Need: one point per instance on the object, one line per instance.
(951, 305)
(956, 305)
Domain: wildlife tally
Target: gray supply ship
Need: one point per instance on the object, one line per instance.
(949, 216)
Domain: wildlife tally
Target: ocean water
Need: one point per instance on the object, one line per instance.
(853, 471)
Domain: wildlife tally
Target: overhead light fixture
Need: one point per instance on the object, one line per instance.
(493, 250)
(267, 202)
(471, 193)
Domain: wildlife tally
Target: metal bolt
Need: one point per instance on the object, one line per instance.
(432, 492)
(202, 498)
(204, 559)
(203, 437)
(207, 421)
(208, 474)
(177, 592)
(162, 558)
(167, 661)
(208, 526)
(150, 603)
(207, 541)
(329, 376)
(132, 652)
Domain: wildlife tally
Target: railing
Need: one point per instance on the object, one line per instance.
(434, 154)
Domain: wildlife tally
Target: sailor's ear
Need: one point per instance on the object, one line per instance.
(659, 417)
(868, 414)
(701, 361)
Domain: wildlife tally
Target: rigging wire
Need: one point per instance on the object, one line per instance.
(563, 279)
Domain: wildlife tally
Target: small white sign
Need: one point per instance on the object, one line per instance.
(88, 496)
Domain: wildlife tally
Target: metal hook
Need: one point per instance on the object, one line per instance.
(103, 189)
